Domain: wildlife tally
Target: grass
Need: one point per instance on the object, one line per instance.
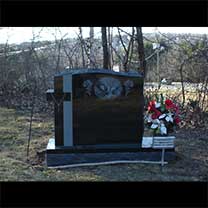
(176, 94)
(191, 148)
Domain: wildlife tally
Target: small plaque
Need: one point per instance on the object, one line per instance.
(51, 144)
(147, 142)
(163, 142)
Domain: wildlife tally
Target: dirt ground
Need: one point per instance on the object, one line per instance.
(191, 150)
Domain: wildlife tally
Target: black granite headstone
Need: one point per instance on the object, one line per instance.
(105, 107)
(98, 117)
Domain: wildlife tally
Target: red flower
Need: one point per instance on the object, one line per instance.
(170, 105)
(156, 114)
(168, 102)
(177, 120)
(151, 106)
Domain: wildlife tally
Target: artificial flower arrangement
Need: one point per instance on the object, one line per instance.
(162, 116)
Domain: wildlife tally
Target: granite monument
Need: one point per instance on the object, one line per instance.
(98, 113)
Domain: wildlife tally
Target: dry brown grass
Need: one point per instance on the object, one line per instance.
(191, 148)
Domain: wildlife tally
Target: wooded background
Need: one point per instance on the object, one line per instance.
(27, 69)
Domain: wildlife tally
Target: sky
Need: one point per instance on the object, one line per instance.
(25, 34)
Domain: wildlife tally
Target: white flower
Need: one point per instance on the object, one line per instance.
(154, 126)
(169, 118)
(163, 129)
(149, 119)
(156, 121)
(162, 116)
(157, 105)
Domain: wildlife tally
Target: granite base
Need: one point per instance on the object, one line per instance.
(69, 156)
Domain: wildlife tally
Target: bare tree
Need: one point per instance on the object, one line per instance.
(82, 46)
(86, 50)
(128, 50)
(187, 51)
(131, 45)
(105, 48)
(69, 52)
(141, 50)
(91, 52)
(110, 40)
(33, 102)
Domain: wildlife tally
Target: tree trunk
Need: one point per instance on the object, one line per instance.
(34, 94)
(58, 57)
(141, 54)
(132, 45)
(109, 48)
(158, 69)
(182, 83)
(127, 57)
(91, 55)
(105, 48)
(82, 46)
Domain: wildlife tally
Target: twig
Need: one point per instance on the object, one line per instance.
(31, 118)
(106, 163)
